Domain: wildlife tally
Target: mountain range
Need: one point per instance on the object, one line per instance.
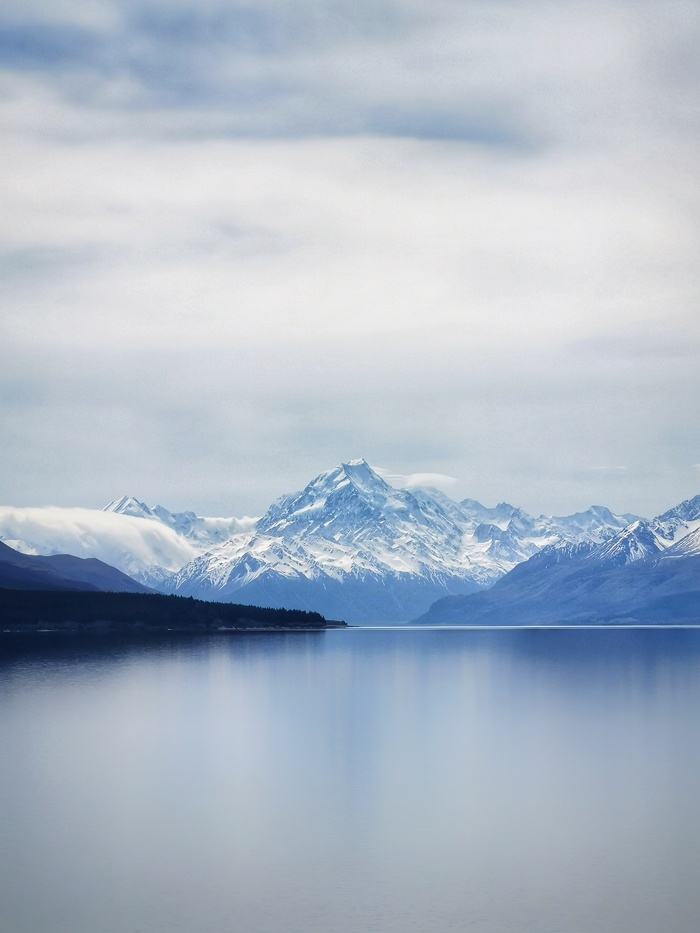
(348, 545)
(648, 573)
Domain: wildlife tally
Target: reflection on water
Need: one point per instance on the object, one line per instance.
(352, 782)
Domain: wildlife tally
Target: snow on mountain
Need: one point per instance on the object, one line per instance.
(688, 546)
(348, 545)
(347, 539)
(515, 535)
(674, 532)
(677, 522)
(596, 524)
(648, 571)
(205, 532)
(636, 542)
(127, 505)
(352, 546)
(500, 515)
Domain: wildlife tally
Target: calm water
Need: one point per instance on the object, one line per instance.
(353, 782)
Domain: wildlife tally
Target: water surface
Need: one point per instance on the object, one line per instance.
(352, 782)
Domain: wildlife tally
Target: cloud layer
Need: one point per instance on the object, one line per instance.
(243, 242)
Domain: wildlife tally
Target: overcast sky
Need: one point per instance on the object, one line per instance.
(241, 242)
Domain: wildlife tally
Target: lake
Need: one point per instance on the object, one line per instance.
(360, 781)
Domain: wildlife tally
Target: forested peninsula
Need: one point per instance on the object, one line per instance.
(77, 611)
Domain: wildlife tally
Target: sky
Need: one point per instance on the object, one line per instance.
(242, 242)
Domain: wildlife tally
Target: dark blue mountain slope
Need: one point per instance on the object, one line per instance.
(587, 584)
(62, 572)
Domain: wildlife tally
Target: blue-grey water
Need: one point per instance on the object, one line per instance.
(360, 781)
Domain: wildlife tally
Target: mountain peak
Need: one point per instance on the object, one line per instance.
(688, 510)
(357, 473)
(357, 462)
(127, 505)
(635, 542)
(685, 547)
(678, 521)
(361, 473)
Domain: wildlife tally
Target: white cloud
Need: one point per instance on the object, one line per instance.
(108, 536)
(418, 480)
(235, 243)
(217, 288)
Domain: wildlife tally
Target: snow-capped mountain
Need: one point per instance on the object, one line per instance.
(677, 522)
(348, 545)
(353, 547)
(636, 542)
(512, 535)
(203, 532)
(648, 571)
(689, 546)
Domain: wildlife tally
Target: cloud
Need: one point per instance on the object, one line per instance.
(508, 76)
(234, 242)
(87, 533)
(226, 431)
(241, 243)
(418, 480)
(210, 325)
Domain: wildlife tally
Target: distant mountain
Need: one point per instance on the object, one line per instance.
(648, 573)
(203, 532)
(348, 545)
(354, 547)
(688, 546)
(678, 521)
(62, 572)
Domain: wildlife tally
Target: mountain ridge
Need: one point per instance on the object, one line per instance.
(649, 572)
(348, 544)
(62, 572)
(363, 550)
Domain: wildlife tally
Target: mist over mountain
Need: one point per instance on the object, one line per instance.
(203, 532)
